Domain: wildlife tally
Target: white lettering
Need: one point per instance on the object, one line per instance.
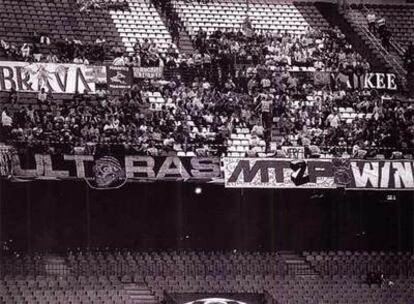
(369, 174)
(166, 169)
(385, 175)
(403, 175)
(48, 169)
(391, 82)
(368, 81)
(79, 163)
(380, 81)
(132, 170)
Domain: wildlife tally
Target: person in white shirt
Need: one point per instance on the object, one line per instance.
(119, 61)
(44, 39)
(6, 120)
(77, 60)
(333, 120)
(6, 123)
(42, 96)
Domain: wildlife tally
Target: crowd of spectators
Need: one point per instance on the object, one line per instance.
(201, 119)
(235, 80)
(317, 49)
(146, 53)
(41, 48)
(223, 54)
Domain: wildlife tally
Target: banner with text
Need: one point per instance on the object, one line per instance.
(105, 169)
(150, 72)
(294, 152)
(318, 173)
(119, 77)
(369, 81)
(54, 77)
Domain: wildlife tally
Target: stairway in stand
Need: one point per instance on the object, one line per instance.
(369, 47)
(297, 265)
(390, 58)
(330, 12)
(185, 45)
(139, 293)
(56, 265)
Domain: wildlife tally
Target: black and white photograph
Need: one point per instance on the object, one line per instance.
(206, 152)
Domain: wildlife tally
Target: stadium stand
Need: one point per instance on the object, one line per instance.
(360, 263)
(147, 277)
(259, 75)
(43, 289)
(137, 35)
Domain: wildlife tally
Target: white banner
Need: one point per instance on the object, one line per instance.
(277, 173)
(151, 72)
(54, 77)
(294, 152)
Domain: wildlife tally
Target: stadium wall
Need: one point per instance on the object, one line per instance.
(56, 215)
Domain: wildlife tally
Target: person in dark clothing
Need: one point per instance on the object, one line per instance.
(385, 38)
(175, 28)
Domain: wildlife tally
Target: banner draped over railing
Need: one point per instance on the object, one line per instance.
(70, 78)
(114, 170)
(318, 173)
(53, 77)
(107, 171)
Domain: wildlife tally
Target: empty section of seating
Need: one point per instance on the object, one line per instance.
(56, 19)
(360, 263)
(140, 22)
(174, 263)
(230, 15)
(146, 277)
(68, 289)
(290, 289)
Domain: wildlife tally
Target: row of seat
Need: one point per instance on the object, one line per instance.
(231, 15)
(361, 263)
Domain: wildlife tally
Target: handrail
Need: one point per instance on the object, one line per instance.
(397, 47)
(373, 38)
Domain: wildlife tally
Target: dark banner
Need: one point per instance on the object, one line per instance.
(113, 171)
(318, 173)
(119, 77)
(214, 298)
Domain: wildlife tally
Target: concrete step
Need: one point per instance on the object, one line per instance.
(140, 293)
(136, 287)
(146, 293)
(295, 261)
(141, 297)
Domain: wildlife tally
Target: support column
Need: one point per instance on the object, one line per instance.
(88, 217)
(29, 218)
